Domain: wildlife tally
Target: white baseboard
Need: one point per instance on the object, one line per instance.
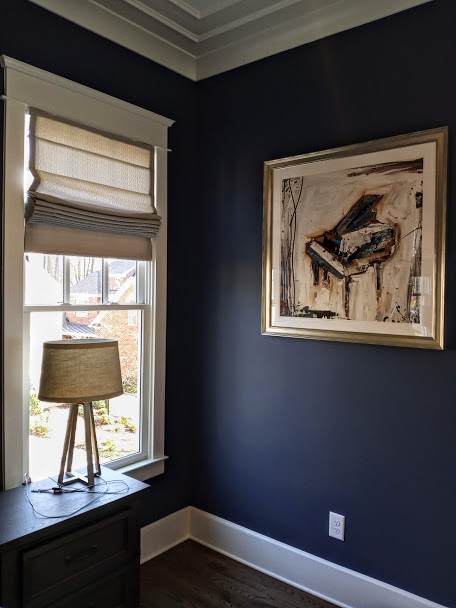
(324, 579)
(164, 534)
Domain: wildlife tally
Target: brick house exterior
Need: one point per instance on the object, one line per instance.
(121, 325)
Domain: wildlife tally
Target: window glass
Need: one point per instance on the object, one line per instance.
(117, 420)
(43, 279)
(132, 317)
(86, 281)
(122, 281)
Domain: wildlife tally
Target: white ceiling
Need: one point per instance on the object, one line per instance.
(203, 8)
(200, 38)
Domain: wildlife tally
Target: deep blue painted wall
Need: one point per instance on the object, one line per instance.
(75, 53)
(290, 429)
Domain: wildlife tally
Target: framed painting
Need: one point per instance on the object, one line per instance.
(354, 242)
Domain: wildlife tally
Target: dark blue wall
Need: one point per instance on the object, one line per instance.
(290, 429)
(75, 53)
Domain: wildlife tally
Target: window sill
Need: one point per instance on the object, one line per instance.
(144, 469)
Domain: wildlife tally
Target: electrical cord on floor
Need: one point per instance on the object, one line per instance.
(61, 489)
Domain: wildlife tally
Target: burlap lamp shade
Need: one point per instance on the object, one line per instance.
(77, 371)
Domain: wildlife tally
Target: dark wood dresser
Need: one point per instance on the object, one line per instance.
(87, 560)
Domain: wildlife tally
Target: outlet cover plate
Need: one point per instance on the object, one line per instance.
(337, 525)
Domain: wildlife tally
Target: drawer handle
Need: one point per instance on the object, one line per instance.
(74, 558)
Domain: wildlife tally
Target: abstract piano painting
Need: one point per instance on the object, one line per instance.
(354, 242)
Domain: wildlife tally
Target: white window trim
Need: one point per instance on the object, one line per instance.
(143, 305)
(27, 86)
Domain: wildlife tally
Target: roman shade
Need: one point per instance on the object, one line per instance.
(92, 193)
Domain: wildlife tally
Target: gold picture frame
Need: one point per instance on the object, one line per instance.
(354, 242)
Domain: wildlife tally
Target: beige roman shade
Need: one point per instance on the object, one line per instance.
(92, 194)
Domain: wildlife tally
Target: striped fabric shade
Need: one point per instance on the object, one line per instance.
(92, 193)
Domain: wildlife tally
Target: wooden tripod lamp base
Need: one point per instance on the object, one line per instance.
(66, 475)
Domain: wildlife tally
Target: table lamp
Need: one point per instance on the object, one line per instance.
(79, 372)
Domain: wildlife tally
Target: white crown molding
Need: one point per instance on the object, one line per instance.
(162, 18)
(222, 4)
(324, 579)
(228, 45)
(209, 33)
(127, 34)
(232, 25)
(186, 7)
(179, 43)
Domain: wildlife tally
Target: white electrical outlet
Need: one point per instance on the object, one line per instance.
(337, 526)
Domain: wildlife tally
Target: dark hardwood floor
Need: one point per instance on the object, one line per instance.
(192, 576)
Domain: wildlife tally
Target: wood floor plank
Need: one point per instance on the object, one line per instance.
(217, 584)
(222, 588)
(193, 576)
(258, 580)
(186, 588)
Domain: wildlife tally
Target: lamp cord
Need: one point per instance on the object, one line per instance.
(64, 490)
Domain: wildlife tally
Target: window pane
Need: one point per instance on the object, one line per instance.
(43, 279)
(86, 282)
(117, 421)
(122, 281)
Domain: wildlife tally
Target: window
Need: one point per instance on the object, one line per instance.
(132, 318)
(66, 293)
(107, 313)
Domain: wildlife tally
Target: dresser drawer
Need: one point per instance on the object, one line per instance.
(80, 555)
(120, 590)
